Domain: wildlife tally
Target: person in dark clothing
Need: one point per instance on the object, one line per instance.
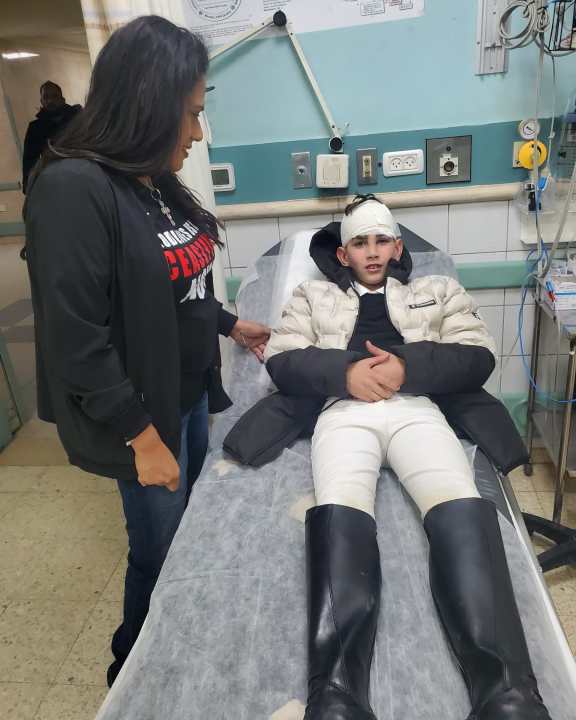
(377, 344)
(120, 255)
(51, 119)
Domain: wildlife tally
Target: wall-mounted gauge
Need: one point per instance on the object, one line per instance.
(529, 129)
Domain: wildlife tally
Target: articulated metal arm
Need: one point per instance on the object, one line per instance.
(280, 20)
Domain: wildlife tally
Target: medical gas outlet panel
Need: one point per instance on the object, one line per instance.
(445, 160)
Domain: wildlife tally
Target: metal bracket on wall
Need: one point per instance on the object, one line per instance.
(491, 55)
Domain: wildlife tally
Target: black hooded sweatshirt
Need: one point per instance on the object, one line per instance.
(48, 124)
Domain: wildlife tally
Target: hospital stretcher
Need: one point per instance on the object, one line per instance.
(225, 638)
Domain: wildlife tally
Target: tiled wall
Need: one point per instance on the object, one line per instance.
(478, 232)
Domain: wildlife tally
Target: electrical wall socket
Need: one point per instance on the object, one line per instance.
(403, 162)
(367, 166)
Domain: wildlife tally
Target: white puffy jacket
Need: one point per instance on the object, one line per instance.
(434, 308)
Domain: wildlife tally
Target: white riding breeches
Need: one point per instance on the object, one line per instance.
(407, 433)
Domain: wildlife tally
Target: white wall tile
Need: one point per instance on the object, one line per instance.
(225, 252)
(479, 257)
(517, 254)
(514, 228)
(493, 318)
(513, 296)
(478, 227)
(488, 298)
(249, 239)
(238, 272)
(431, 223)
(511, 329)
(492, 385)
(290, 225)
(514, 376)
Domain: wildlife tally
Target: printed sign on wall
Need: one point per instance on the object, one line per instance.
(219, 21)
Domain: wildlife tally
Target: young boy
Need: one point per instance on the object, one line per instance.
(377, 344)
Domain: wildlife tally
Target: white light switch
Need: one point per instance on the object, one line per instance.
(332, 171)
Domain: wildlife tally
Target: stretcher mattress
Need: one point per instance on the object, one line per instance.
(225, 638)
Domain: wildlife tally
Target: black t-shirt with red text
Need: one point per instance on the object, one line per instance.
(189, 254)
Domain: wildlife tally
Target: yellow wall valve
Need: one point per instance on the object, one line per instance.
(526, 154)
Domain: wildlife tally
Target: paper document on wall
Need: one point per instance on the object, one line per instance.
(219, 21)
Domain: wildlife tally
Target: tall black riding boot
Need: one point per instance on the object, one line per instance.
(344, 579)
(473, 593)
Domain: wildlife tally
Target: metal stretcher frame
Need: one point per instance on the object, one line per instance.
(225, 636)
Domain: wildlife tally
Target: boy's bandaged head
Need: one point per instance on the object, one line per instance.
(368, 218)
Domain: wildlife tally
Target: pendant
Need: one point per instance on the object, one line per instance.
(166, 210)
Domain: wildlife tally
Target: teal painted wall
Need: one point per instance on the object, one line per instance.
(263, 171)
(384, 78)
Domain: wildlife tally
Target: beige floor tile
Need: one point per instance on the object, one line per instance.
(540, 544)
(568, 508)
(543, 477)
(529, 503)
(71, 702)
(19, 562)
(90, 656)
(34, 451)
(73, 480)
(43, 517)
(81, 516)
(569, 625)
(540, 455)
(36, 428)
(57, 569)
(547, 501)
(562, 585)
(520, 482)
(36, 637)
(114, 590)
(19, 479)
(9, 502)
(20, 701)
(51, 480)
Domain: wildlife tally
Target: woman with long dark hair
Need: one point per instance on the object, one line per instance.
(120, 255)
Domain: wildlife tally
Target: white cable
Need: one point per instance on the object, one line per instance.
(537, 22)
(552, 134)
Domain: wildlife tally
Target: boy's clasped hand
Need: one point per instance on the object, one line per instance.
(375, 378)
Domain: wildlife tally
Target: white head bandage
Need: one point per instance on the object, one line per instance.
(369, 218)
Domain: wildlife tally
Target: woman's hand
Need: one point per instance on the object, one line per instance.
(155, 463)
(252, 336)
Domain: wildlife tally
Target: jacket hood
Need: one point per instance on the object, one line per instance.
(323, 248)
(64, 111)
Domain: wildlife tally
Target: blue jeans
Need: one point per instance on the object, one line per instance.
(153, 514)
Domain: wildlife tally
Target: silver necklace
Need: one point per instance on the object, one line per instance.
(157, 195)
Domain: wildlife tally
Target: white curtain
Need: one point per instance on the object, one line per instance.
(101, 18)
